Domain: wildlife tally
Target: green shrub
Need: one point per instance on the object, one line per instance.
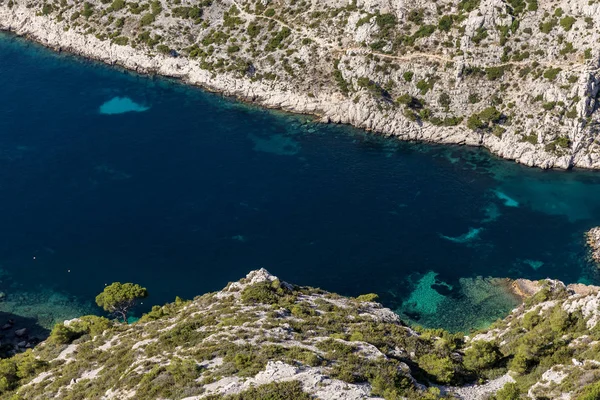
(521, 361)
(88, 10)
(425, 85)
(567, 49)
(468, 5)
(546, 27)
(480, 34)
(270, 12)
(341, 82)
(445, 23)
(264, 293)
(369, 297)
(416, 15)
(46, 9)
(533, 5)
(385, 22)
(90, 324)
(510, 391)
(253, 30)
(494, 73)
(117, 5)
(590, 392)
(422, 32)
(8, 375)
(481, 355)
(474, 98)
(408, 75)
(440, 368)
(490, 114)
(410, 101)
(531, 319)
(17, 368)
(147, 19)
(567, 23)
(276, 41)
(121, 40)
(552, 73)
(444, 100)
(482, 120)
(518, 6)
(62, 334)
(532, 138)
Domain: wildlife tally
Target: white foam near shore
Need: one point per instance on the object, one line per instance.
(471, 235)
(121, 105)
(508, 201)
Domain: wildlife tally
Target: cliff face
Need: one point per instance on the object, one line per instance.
(517, 77)
(263, 338)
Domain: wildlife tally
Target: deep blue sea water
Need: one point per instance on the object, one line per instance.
(110, 176)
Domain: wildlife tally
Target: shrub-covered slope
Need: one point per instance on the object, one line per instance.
(519, 77)
(262, 337)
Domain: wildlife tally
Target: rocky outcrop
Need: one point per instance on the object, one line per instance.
(261, 337)
(407, 72)
(593, 241)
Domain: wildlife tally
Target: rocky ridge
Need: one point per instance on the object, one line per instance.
(517, 77)
(263, 338)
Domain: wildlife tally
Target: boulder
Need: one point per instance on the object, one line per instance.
(21, 332)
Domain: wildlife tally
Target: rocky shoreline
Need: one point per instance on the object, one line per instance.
(329, 105)
(593, 241)
(266, 338)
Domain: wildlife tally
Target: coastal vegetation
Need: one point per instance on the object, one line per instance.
(459, 58)
(119, 298)
(260, 323)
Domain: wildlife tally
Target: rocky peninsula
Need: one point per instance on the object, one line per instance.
(264, 338)
(517, 77)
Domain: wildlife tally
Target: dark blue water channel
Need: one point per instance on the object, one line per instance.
(110, 176)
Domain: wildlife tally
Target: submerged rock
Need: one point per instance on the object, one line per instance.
(21, 332)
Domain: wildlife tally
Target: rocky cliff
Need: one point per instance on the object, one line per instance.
(515, 76)
(261, 338)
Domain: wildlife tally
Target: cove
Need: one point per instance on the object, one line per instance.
(195, 190)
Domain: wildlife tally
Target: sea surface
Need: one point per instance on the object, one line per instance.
(108, 176)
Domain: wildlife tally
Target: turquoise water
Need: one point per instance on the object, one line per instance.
(110, 176)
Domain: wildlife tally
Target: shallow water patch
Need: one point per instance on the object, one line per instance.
(535, 264)
(276, 144)
(472, 304)
(508, 201)
(425, 299)
(121, 105)
(471, 235)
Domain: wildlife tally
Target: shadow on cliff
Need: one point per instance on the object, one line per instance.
(18, 331)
